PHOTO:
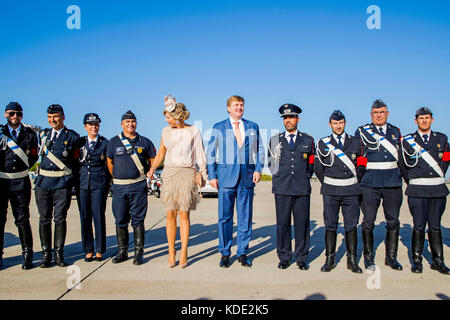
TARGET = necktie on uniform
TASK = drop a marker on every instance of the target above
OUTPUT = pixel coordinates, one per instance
(382, 132)
(425, 138)
(291, 141)
(237, 133)
(91, 145)
(14, 135)
(340, 146)
(55, 136)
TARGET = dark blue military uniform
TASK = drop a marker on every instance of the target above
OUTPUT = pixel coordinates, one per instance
(130, 201)
(53, 186)
(16, 189)
(336, 196)
(377, 184)
(94, 187)
(292, 168)
(338, 168)
(382, 180)
(426, 191)
(131, 161)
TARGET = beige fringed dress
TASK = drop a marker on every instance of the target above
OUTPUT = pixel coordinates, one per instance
(185, 152)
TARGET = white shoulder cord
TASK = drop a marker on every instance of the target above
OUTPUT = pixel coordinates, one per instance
(277, 150)
(411, 155)
(319, 153)
(366, 141)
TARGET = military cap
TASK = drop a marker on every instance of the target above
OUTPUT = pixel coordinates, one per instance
(423, 111)
(378, 104)
(337, 115)
(14, 106)
(289, 110)
(55, 108)
(128, 115)
(91, 118)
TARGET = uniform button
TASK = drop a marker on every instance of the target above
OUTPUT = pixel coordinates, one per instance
(292, 166)
(292, 159)
(292, 172)
(292, 152)
(385, 157)
(14, 168)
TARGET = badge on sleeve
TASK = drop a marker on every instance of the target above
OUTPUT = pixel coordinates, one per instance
(139, 150)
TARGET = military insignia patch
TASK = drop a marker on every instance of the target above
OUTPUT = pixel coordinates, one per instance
(305, 156)
(66, 143)
(441, 155)
(102, 157)
(139, 150)
(394, 137)
(438, 145)
(353, 156)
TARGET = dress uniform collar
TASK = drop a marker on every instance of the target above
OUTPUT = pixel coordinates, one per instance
(18, 129)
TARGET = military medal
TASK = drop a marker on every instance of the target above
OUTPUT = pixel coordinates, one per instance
(27, 152)
(102, 157)
(353, 156)
(441, 155)
(438, 145)
(65, 153)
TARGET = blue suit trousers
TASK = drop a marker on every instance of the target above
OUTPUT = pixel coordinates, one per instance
(244, 209)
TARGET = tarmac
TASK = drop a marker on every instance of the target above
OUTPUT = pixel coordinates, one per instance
(203, 278)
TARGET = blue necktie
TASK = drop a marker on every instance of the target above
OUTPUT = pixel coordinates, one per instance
(340, 142)
(55, 136)
(382, 132)
(91, 145)
(425, 138)
(14, 135)
(291, 142)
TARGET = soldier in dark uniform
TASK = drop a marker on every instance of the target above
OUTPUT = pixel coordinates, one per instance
(94, 187)
(339, 166)
(53, 185)
(382, 180)
(129, 158)
(426, 157)
(18, 152)
(290, 159)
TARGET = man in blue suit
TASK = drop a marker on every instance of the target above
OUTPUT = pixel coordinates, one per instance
(235, 161)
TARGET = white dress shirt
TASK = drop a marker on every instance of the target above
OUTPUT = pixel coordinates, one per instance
(17, 130)
(343, 135)
(241, 128)
(288, 138)
(384, 128)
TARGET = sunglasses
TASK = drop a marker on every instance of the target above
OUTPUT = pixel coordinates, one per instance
(13, 113)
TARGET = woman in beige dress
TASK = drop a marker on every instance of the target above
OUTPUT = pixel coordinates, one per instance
(182, 151)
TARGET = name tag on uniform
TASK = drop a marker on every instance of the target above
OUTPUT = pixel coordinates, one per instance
(120, 150)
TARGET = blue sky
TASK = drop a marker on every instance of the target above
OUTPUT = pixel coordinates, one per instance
(317, 54)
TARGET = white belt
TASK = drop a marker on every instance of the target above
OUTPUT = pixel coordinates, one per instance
(128, 181)
(381, 165)
(54, 174)
(13, 175)
(427, 181)
(340, 182)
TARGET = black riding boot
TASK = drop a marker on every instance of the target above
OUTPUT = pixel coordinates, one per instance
(351, 242)
(367, 239)
(330, 251)
(418, 239)
(45, 233)
(26, 240)
(139, 239)
(391, 243)
(437, 252)
(60, 238)
(122, 243)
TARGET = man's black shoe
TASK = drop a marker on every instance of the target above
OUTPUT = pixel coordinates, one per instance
(284, 264)
(243, 260)
(224, 261)
(302, 265)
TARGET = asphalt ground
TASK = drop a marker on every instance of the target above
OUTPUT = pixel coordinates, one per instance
(203, 278)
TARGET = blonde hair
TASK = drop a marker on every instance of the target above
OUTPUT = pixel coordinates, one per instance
(179, 113)
(234, 99)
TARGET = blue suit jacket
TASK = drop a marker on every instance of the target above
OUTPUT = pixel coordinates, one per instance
(226, 161)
